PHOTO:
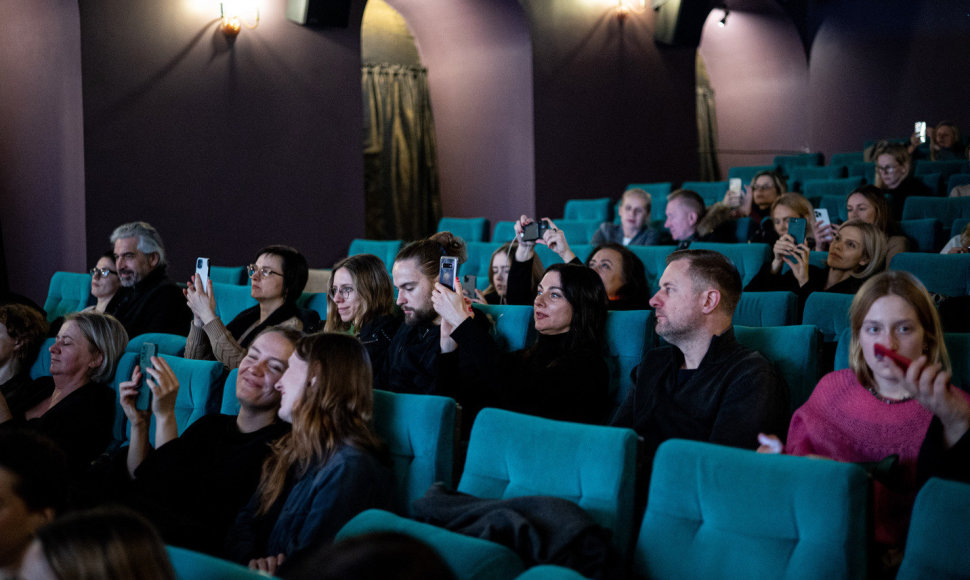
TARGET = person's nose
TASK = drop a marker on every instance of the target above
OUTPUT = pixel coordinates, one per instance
(655, 301)
(401, 300)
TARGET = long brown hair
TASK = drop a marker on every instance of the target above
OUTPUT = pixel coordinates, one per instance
(336, 409)
(373, 286)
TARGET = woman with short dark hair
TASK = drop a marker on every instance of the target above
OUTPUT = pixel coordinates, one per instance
(562, 376)
(278, 277)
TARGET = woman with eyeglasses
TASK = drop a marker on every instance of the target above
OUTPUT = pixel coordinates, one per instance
(277, 280)
(893, 168)
(104, 282)
(868, 203)
(361, 302)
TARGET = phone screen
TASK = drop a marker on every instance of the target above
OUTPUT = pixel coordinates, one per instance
(148, 350)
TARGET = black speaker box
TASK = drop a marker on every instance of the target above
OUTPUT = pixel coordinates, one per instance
(319, 13)
(680, 22)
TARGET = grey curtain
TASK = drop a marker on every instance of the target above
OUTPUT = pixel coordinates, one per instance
(402, 197)
(706, 124)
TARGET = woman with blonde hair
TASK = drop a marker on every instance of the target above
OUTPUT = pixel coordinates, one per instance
(361, 302)
(331, 465)
(894, 167)
(868, 203)
(880, 407)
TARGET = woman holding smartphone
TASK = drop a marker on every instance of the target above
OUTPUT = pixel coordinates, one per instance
(880, 407)
(278, 277)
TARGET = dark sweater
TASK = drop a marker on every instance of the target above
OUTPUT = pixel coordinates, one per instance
(156, 304)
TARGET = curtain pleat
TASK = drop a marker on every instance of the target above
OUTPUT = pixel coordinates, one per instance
(710, 169)
(402, 194)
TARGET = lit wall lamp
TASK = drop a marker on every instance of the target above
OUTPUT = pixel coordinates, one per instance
(231, 13)
(625, 7)
(723, 21)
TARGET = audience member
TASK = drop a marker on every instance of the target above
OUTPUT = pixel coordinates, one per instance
(76, 407)
(783, 209)
(372, 556)
(103, 543)
(410, 365)
(688, 221)
(623, 276)
(148, 300)
(958, 244)
(104, 282)
(704, 385)
(22, 332)
(963, 190)
(755, 201)
(498, 276)
(868, 203)
(634, 227)
(877, 408)
(192, 486)
(893, 175)
(277, 281)
(361, 301)
(33, 489)
(562, 376)
(856, 254)
(943, 143)
(328, 468)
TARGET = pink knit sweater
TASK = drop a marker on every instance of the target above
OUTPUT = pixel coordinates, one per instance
(842, 420)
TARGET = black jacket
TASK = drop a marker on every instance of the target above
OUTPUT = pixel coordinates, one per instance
(156, 304)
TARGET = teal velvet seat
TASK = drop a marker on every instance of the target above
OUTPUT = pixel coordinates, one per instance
(598, 210)
(747, 172)
(747, 258)
(68, 292)
(766, 309)
(829, 312)
(793, 349)
(945, 209)
(926, 232)
(173, 344)
(386, 250)
(936, 546)
(419, 431)
(316, 301)
(710, 191)
(798, 175)
(469, 558)
(626, 334)
(230, 404)
(946, 274)
(229, 275)
(514, 455)
(578, 231)
(718, 512)
(658, 197)
(190, 565)
(513, 326)
(547, 572)
(468, 229)
(231, 299)
(654, 260)
(816, 188)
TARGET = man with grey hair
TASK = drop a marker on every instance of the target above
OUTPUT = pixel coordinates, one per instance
(148, 300)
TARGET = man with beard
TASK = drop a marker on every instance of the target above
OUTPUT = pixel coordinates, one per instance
(411, 363)
(704, 385)
(148, 300)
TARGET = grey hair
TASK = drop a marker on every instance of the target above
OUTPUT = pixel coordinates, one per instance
(105, 335)
(149, 240)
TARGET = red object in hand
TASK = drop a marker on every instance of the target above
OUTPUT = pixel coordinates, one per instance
(899, 359)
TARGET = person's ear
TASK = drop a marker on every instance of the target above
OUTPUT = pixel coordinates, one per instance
(154, 259)
(97, 360)
(710, 300)
(692, 218)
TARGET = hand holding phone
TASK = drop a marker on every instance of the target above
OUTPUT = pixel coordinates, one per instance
(469, 283)
(533, 231)
(202, 275)
(822, 217)
(144, 400)
(796, 229)
(884, 351)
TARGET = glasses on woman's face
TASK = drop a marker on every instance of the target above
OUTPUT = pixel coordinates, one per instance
(263, 272)
(762, 187)
(344, 292)
(102, 272)
(887, 169)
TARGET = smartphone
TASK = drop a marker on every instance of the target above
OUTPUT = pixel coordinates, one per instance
(796, 228)
(920, 128)
(899, 359)
(734, 184)
(447, 271)
(144, 400)
(468, 284)
(822, 217)
(202, 272)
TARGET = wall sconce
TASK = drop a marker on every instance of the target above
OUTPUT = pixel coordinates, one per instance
(625, 7)
(230, 12)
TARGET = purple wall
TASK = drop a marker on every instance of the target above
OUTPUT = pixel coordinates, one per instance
(759, 72)
(611, 107)
(479, 61)
(223, 146)
(41, 144)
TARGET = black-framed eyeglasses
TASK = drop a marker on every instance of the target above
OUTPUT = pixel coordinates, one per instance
(264, 272)
(102, 272)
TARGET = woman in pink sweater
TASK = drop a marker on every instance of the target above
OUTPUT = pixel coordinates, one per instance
(878, 407)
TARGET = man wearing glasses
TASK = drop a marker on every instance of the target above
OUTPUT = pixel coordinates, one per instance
(148, 300)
